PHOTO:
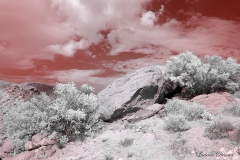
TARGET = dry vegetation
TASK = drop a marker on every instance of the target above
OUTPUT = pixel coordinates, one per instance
(186, 131)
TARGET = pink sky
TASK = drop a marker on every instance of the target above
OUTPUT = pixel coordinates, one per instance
(96, 42)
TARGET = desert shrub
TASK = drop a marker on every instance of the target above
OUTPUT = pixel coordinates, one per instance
(194, 111)
(179, 148)
(86, 89)
(236, 134)
(63, 141)
(233, 108)
(207, 116)
(237, 94)
(218, 129)
(175, 106)
(126, 142)
(176, 123)
(191, 111)
(73, 113)
(198, 77)
(130, 154)
(107, 157)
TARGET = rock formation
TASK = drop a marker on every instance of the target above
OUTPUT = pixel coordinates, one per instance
(132, 92)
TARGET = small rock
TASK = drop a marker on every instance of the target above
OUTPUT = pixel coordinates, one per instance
(155, 107)
(50, 152)
(2, 154)
(22, 156)
(7, 146)
(46, 141)
(162, 113)
(148, 137)
(37, 137)
(30, 145)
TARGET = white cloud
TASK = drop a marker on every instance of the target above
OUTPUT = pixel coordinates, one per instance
(134, 64)
(90, 17)
(73, 75)
(82, 77)
(134, 29)
(69, 48)
(148, 18)
(1, 48)
(161, 10)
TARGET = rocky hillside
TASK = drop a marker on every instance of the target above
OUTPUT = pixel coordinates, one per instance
(135, 119)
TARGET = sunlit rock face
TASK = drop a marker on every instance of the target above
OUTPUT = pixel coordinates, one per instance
(138, 89)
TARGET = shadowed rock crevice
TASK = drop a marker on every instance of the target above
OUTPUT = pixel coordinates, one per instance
(176, 91)
(169, 90)
(135, 95)
(120, 113)
(148, 92)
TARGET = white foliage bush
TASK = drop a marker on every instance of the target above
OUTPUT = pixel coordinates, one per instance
(191, 111)
(176, 123)
(73, 113)
(197, 76)
(207, 116)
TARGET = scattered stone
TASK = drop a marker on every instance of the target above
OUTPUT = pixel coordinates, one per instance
(21, 156)
(7, 146)
(47, 141)
(145, 113)
(162, 113)
(148, 137)
(38, 137)
(30, 145)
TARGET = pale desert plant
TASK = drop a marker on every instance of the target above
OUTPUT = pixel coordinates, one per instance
(233, 108)
(218, 129)
(207, 116)
(191, 111)
(71, 114)
(197, 77)
(176, 123)
(107, 157)
(237, 94)
(237, 134)
(126, 142)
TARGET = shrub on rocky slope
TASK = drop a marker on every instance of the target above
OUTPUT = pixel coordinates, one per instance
(73, 114)
(206, 76)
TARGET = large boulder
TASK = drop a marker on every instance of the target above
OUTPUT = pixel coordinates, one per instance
(136, 90)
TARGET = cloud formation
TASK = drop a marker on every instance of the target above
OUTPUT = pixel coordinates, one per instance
(148, 18)
(134, 29)
(89, 18)
(76, 36)
(73, 75)
(27, 27)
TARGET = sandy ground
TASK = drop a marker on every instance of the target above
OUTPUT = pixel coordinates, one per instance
(151, 142)
(147, 140)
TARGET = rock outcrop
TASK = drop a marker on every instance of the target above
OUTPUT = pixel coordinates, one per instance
(40, 147)
(214, 102)
(145, 113)
(132, 92)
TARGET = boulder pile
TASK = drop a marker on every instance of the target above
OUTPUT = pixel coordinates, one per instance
(40, 147)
